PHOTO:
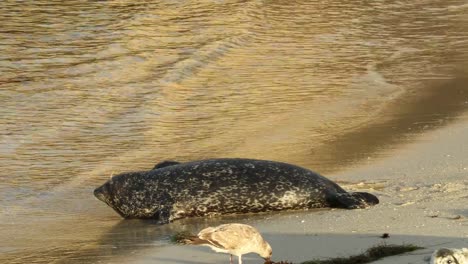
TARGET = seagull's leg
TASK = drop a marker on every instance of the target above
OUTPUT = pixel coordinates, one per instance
(240, 259)
(230, 258)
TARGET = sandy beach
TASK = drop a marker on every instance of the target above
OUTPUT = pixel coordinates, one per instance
(423, 191)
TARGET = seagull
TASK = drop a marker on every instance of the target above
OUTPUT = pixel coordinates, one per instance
(234, 239)
(450, 256)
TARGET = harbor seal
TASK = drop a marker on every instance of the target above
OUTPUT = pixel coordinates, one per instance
(173, 190)
(450, 255)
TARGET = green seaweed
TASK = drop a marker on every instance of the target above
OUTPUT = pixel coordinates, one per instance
(372, 254)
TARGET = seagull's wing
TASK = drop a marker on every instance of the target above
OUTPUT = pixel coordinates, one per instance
(230, 236)
(206, 237)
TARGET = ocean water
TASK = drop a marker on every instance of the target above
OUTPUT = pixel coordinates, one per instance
(93, 88)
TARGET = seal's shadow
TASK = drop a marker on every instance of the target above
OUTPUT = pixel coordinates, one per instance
(125, 237)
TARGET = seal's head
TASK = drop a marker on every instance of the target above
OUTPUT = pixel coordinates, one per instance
(103, 193)
(125, 194)
(107, 192)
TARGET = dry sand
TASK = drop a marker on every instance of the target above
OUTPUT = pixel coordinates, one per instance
(423, 189)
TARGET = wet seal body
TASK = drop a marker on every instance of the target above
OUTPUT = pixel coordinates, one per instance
(173, 190)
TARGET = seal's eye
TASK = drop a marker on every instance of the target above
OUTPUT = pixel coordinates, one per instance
(449, 261)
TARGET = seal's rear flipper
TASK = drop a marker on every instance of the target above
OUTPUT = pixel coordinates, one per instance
(165, 163)
(352, 200)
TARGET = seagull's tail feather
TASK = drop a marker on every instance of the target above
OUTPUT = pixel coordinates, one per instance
(186, 238)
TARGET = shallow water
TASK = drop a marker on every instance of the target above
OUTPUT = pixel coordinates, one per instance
(89, 89)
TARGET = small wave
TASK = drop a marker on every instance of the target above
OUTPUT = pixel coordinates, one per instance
(204, 56)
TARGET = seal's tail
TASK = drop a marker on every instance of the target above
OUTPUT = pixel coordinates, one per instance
(352, 200)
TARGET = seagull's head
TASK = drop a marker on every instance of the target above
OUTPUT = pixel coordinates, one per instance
(266, 252)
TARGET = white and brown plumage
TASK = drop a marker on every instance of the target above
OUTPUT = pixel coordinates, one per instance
(450, 256)
(234, 239)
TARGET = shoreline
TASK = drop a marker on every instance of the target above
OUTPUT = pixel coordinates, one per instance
(402, 121)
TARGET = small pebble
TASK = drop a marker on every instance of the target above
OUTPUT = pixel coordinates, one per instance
(385, 235)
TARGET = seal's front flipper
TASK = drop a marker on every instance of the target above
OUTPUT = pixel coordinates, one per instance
(165, 163)
(163, 215)
(351, 200)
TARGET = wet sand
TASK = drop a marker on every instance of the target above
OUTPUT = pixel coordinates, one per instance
(401, 122)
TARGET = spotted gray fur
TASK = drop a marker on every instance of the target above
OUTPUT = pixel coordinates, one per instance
(175, 190)
(450, 256)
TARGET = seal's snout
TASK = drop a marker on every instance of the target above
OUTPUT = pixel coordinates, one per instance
(101, 193)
